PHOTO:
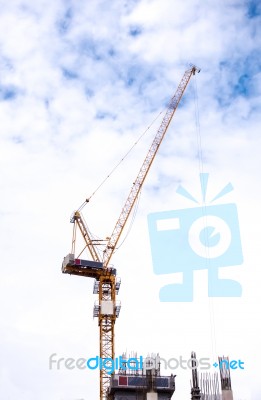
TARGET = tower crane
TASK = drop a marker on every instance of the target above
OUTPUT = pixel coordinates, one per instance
(106, 284)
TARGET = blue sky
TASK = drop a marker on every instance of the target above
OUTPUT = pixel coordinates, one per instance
(79, 82)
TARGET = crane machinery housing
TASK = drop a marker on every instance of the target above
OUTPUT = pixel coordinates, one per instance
(106, 283)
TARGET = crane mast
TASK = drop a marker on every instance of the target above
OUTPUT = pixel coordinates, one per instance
(106, 284)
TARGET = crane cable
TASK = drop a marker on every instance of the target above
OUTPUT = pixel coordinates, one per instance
(204, 214)
(118, 164)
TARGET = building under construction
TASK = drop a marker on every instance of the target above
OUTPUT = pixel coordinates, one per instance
(147, 383)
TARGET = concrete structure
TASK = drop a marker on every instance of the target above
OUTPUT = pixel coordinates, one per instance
(141, 382)
(225, 379)
(195, 390)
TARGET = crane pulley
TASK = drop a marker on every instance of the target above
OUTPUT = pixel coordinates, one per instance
(106, 283)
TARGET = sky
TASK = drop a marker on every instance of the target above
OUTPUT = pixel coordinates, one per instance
(79, 83)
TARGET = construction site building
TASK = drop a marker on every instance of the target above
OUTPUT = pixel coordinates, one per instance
(145, 383)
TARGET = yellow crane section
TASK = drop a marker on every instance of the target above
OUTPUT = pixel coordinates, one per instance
(106, 284)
